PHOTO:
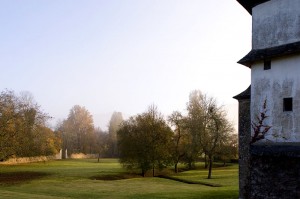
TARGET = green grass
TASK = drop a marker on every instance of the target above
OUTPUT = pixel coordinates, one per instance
(76, 179)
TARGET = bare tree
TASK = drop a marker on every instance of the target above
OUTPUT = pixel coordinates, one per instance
(180, 137)
(208, 124)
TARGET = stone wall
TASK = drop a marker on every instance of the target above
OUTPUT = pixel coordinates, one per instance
(244, 142)
(275, 171)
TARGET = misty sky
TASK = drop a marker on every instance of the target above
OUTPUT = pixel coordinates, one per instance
(123, 55)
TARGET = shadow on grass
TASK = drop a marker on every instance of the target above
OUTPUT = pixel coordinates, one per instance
(130, 176)
(13, 178)
(190, 181)
(115, 177)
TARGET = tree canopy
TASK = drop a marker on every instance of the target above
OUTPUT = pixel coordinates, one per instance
(78, 131)
(144, 141)
(23, 130)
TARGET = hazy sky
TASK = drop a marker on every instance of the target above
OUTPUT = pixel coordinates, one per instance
(123, 55)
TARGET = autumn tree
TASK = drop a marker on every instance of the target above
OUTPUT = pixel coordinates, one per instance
(46, 141)
(144, 141)
(78, 131)
(113, 127)
(23, 130)
(9, 121)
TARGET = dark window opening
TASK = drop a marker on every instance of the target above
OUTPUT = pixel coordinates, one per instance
(288, 104)
(267, 64)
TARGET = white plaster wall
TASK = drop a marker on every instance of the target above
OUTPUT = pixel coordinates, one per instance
(281, 81)
(275, 22)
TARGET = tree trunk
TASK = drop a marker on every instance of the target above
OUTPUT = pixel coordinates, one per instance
(176, 168)
(210, 159)
(205, 161)
(190, 165)
(153, 171)
(98, 157)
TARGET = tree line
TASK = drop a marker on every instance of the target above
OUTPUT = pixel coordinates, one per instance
(24, 130)
(79, 135)
(147, 141)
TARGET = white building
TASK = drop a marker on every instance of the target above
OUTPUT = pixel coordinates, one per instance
(269, 162)
(275, 66)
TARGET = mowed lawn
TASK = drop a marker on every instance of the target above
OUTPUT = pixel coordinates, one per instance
(107, 179)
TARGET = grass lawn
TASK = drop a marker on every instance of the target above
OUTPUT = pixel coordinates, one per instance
(81, 179)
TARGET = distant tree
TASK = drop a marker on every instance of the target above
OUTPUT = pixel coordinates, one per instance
(113, 127)
(144, 142)
(102, 143)
(78, 131)
(194, 124)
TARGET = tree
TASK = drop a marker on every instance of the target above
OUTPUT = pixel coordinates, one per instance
(144, 142)
(208, 123)
(180, 137)
(228, 149)
(47, 143)
(102, 143)
(23, 131)
(114, 125)
(9, 120)
(78, 131)
(218, 129)
(194, 123)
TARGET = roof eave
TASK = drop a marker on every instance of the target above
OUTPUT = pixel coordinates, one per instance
(268, 53)
(249, 4)
(246, 94)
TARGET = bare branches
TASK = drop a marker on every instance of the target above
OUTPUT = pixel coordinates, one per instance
(260, 129)
(207, 124)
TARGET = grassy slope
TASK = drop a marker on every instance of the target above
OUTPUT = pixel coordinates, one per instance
(73, 179)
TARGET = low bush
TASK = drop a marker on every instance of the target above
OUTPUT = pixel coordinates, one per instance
(22, 160)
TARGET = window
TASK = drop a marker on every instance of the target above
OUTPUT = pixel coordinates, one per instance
(288, 104)
(267, 64)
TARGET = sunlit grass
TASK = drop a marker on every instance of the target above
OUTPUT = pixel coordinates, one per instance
(74, 179)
